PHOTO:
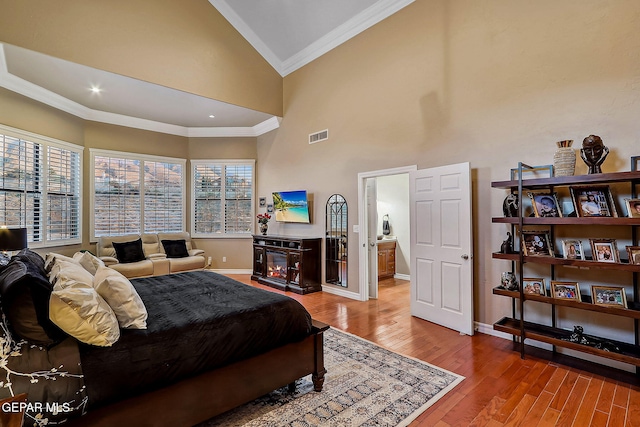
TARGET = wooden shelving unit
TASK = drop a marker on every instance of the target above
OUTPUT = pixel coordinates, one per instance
(516, 325)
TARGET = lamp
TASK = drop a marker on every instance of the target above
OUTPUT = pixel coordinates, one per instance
(11, 239)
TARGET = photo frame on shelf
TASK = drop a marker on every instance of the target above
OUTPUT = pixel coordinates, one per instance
(572, 249)
(604, 250)
(593, 201)
(635, 163)
(634, 254)
(534, 286)
(544, 171)
(536, 243)
(565, 290)
(633, 208)
(545, 205)
(609, 296)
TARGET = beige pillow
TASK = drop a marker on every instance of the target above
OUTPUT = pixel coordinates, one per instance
(88, 261)
(50, 259)
(72, 269)
(77, 309)
(122, 297)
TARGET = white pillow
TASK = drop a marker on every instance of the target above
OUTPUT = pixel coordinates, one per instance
(50, 259)
(77, 309)
(88, 261)
(122, 297)
(72, 269)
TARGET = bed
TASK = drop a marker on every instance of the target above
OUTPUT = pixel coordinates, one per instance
(211, 344)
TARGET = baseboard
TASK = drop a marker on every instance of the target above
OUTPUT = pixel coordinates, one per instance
(402, 276)
(341, 292)
(231, 271)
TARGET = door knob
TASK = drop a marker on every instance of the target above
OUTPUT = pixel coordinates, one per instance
(464, 256)
(372, 244)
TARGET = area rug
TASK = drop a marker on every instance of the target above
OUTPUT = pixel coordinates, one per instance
(365, 385)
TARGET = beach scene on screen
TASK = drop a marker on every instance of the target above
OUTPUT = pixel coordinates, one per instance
(291, 206)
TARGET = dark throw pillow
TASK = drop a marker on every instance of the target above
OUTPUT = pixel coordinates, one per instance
(129, 251)
(175, 248)
(25, 301)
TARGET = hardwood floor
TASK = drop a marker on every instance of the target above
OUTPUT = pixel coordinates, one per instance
(500, 388)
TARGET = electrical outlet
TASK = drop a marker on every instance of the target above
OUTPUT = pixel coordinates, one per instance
(209, 260)
(224, 259)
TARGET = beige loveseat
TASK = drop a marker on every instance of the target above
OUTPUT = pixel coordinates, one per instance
(156, 262)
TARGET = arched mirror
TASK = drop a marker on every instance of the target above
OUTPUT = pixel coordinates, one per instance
(336, 240)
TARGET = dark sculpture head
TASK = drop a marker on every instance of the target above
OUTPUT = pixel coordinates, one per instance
(593, 153)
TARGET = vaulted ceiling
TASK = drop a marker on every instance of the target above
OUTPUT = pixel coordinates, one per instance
(288, 34)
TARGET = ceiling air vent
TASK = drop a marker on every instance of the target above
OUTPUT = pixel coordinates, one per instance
(319, 136)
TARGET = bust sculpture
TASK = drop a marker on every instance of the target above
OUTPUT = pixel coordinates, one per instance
(593, 153)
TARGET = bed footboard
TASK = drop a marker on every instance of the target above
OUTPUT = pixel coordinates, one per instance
(197, 399)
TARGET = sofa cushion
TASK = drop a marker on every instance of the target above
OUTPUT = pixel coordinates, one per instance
(135, 269)
(175, 248)
(186, 264)
(80, 311)
(25, 293)
(127, 252)
(122, 297)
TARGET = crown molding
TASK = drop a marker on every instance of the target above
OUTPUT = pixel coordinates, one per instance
(37, 93)
(368, 18)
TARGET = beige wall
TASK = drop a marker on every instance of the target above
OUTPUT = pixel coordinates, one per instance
(187, 45)
(491, 82)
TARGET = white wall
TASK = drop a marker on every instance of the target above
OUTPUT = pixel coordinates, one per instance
(393, 200)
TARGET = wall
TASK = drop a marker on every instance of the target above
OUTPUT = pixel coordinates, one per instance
(393, 200)
(186, 45)
(492, 82)
(22, 113)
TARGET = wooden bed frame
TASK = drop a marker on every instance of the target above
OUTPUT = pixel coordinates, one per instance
(197, 399)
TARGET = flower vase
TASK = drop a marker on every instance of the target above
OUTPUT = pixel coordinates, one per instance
(564, 159)
(264, 228)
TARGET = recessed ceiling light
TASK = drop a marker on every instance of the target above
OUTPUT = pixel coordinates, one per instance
(95, 89)
(211, 116)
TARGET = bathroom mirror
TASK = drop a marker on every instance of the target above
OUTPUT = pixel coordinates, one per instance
(336, 240)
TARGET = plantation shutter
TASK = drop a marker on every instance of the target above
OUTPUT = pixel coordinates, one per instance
(238, 198)
(163, 199)
(63, 194)
(208, 196)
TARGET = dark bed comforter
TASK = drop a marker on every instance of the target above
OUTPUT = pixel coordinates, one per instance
(197, 321)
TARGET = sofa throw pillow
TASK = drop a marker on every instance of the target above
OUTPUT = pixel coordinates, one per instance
(175, 248)
(78, 310)
(88, 261)
(129, 251)
(25, 293)
(122, 297)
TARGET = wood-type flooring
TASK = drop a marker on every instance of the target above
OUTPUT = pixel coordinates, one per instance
(500, 388)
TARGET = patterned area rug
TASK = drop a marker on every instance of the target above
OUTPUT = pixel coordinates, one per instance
(365, 385)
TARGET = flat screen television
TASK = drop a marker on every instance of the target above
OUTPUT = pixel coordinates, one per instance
(291, 206)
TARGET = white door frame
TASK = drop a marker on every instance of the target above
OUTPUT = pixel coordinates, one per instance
(363, 258)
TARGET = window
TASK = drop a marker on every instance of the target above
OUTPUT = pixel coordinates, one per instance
(40, 187)
(222, 198)
(136, 194)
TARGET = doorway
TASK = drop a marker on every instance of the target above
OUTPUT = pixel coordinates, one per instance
(372, 207)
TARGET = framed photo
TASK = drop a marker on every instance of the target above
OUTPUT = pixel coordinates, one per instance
(609, 295)
(593, 201)
(572, 249)
(634, 254)
(534, 286)
(635, 163)
(604, 250)
(565, 290)
(270, 208)
(536, 243)
(545, 205)
(633, 208)
(262, 202)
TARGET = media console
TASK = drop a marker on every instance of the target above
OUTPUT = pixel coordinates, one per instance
(287, 263)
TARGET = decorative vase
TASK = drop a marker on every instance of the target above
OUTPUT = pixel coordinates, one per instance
(564, 159)
(263, 228)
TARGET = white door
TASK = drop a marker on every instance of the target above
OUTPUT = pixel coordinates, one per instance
(372, 236)
(441, 259)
